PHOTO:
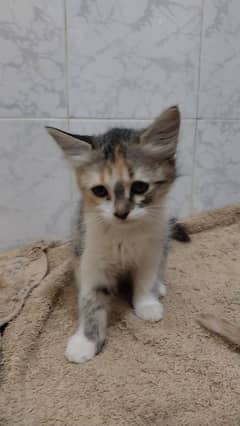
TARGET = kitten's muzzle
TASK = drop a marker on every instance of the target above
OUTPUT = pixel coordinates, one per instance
(122, 209)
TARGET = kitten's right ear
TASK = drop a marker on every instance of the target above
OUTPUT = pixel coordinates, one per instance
(161, 137)
(76, 148)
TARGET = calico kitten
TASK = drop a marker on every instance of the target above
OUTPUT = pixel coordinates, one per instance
(124, 176)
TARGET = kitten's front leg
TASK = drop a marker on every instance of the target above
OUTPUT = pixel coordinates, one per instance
(145, 300)
(93, 303)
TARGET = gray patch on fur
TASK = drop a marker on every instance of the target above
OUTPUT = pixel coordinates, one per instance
(147, 200)
(108, 142)
(119, 191)
(99, 346)
(90, 308)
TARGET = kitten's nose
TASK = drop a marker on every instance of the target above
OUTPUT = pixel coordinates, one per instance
(121, 215)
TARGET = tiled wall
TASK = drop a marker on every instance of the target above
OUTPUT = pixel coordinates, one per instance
(85, 65)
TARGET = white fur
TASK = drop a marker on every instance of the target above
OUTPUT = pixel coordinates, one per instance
(106, 210)
(122, 244)
(136, 213)
(79, 348)
(149, 308)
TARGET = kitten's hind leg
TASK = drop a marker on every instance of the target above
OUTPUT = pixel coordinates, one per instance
(93, 302)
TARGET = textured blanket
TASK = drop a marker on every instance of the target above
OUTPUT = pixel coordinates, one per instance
(169, 373)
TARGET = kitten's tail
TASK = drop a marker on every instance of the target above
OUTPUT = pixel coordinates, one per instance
(179, 231)
(222, 327)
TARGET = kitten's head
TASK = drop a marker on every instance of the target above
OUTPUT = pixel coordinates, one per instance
(124, 174)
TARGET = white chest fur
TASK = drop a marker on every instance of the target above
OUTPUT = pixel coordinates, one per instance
(124, 246)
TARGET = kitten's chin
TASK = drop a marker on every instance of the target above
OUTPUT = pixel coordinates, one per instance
(130, 221)
(116, 222)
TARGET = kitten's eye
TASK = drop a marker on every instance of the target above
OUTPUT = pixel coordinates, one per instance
(100, 191)
(139, 187)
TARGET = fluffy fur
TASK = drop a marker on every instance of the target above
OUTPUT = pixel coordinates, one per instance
(124, 176)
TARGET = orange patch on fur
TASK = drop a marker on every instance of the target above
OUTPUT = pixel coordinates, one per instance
(89, 199)
(113, 171)
(106, 174)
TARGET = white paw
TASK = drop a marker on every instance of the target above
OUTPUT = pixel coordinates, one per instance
(162, 289)
(80, 349)
(149, 310)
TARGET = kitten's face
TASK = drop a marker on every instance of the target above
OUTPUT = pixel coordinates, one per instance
(126, 187)
(124, 174)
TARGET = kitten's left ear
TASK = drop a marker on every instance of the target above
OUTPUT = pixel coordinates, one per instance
(76, 147)
(160, 139)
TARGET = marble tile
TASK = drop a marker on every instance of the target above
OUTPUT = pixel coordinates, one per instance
(217, 160)
(22, 225)
(35, 183)
(32, 59)
(131, 59)
(179, 200)
(220, 60)
(180, 197)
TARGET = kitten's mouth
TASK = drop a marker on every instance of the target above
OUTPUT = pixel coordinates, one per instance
(130, 221)
(121, 221)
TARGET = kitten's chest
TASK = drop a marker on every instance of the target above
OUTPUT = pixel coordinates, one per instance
(123, 249)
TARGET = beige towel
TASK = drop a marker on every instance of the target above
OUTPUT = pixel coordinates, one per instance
(169, 373)
(20, 271)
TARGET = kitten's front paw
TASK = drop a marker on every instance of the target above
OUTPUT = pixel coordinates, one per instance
(80, 349)
(149, 311)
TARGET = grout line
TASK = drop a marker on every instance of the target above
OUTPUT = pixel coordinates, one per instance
(200, 61)
(120, 118)
(33, 119)
(110, 119)
(66, 57)
(193, 167)
(150, 118)
(216, 119)
(87, 118)
(72, 176)
(197, 111)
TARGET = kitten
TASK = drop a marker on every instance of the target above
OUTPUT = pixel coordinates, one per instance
(124, 176)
